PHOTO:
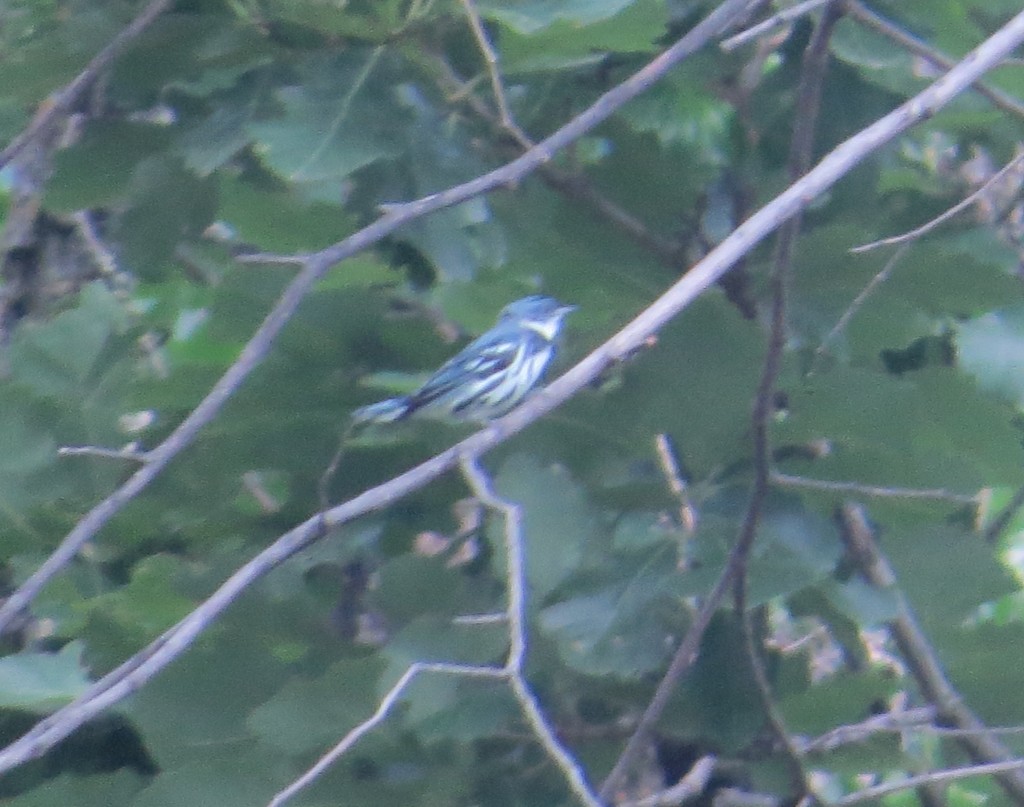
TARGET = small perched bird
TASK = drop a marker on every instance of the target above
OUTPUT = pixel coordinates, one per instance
(490, 375)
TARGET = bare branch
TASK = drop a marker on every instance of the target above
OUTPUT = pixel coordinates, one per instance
(947, 775)
(676, 483)
(860, 299)
(865, 15)
(859, 489)
(812, 76)
(1002, 521)
(574, 185)
(859, 732)
(133, 673)
(776, 20)
(511, 671)
(922, 659)
(516, 582)
(926, 228)
(494, 72)
(686, 789)
(62, 101)
(387, 703)
(317, 264)
(129, 452)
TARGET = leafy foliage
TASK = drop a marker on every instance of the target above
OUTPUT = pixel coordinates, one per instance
(284, 126)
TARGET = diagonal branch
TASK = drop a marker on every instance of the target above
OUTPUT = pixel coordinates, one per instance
(860, 12)
(924, 664)
(512, 671)
(317, 264)
(133, 673)
(61, 102)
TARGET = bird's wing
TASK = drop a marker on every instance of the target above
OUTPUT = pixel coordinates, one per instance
(470, 372)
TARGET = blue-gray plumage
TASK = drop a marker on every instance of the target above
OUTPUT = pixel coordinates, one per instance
(490, 375)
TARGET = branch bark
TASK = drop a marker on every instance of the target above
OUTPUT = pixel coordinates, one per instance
(134, 672)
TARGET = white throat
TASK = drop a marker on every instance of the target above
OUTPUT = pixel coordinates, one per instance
(546, 329)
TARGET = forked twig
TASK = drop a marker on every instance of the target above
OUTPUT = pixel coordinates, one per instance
(511, 671)
(781, 18)
(127, 678)
(317, 264)
(946, 215)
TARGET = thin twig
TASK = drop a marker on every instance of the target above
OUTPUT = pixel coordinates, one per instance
(946, 775)
(686, 789)
(129, 452)
(914, 234)
(323, 487)
(573, 185)
(781, 18)
(860, 299)
(922, 659)
(859, 489)
(62, 101)
(512, 670)
(319, 263)
(516, 582)
(387, 703)
(494, 73)
(920, 720)
(102, 256)
(812, 76)
(676, 483)
(133, 673)
(915, 719)
(1002, 521)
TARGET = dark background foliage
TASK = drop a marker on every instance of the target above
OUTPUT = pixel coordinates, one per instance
(229, 127)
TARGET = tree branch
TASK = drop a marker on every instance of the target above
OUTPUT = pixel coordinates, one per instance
(317, 264)
(148, 662)
(922, 660)
(808, 106)
(866, 16)
(62, 101)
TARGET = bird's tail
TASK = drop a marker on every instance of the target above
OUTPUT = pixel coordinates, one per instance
(387, 411)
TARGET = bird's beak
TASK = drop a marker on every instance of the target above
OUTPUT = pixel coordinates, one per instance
(566, 309)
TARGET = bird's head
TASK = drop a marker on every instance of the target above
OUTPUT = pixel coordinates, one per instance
(537, 313)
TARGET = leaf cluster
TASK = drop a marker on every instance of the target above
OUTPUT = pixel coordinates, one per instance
(230, 127)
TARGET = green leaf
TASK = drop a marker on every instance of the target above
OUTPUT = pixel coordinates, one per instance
(680, 111)
(97, 170)
(200, 704)
(620, 629)
(281, 222)
(482, 710)
(433, 639)
(719, 698)
(199, 53)
(795, 547)
(166, 205)
(558, 522)
(529, 16)
(226, 777)
(879, 59)
(59, 358)
(410, 585)
(991, 349)
(43, 682)
(150, 602)
(924, 430)
(564, 37)
(74, 790)
(312, 713)
(339, 120)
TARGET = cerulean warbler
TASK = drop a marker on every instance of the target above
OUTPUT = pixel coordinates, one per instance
(490, 375)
